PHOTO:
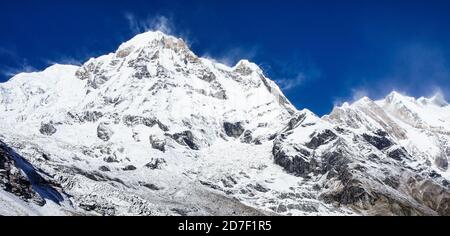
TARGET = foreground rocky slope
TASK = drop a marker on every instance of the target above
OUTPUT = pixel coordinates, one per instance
(153, 129)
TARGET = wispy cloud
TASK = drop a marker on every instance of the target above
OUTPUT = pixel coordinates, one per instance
(6, 52)
(16, 63)
(424, 66)
(162, 23)
(10, 71)
(294, 74)
(291, 83)
(232, 55)
(358, 94)
(156, 23)
(355, 95)
(414, 69)
(65, 60)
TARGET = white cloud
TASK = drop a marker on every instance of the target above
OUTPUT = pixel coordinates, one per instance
(9, 71)
(8, 53)
(288, 84)
(18, 64)
(359, 93)
(355, 95)
(161, 23)
(233, 55)
(157, 23)
(65, 61)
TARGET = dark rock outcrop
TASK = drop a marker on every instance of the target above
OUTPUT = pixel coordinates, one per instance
(234, 130)
(20, 178)
(86, 116)
(141, 72)
(207, 76)
(302, 163)
(380, 142)
(297, 164)
(321, 139)
(104, 132)
(104, 169)
(156, 163)
(47, 129)
(151, 186)
(186, 138)
(157, 143)
(129, 168)
(132, 121)
(441, 162)
(398, 154)
(247, 137)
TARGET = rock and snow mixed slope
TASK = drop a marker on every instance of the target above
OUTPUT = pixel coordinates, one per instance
(377, 157)
(153, 129)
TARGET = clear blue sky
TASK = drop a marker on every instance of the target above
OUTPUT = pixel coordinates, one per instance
(321, 52)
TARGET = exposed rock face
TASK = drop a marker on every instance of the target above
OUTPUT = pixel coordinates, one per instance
(398, 154)
(47, 129)
(11, 179)
(234, 130)
(247, 137)
(104, 169)
(157, 143)
(129, 168)
(442, 162)
(104, 132)
(297, 164)
(18, 177)
(379, 182)
(156, 163)
(186, 138)
(380, 142)
(86, 116)
(132, 121)
(321, 139)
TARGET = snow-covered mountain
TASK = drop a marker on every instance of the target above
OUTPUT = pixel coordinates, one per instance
(153, 129)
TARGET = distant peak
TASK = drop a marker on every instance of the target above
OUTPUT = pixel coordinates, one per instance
(57, 67)
(395, 97)
(53, 69)
(438, 99)
(345, 105)
(363, 101)
(247, 63)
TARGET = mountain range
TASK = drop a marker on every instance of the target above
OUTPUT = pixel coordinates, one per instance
(154, 129)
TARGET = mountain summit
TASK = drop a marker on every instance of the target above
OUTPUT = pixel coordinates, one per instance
(153, 129)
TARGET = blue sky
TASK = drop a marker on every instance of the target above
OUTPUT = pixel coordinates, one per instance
(320, 52)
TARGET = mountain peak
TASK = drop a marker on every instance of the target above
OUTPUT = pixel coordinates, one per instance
(246, 67)
(362, 101)
(438, 99)
(396, 97)
(153, 38)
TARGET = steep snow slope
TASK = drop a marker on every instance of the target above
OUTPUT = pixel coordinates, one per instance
(153, 129)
